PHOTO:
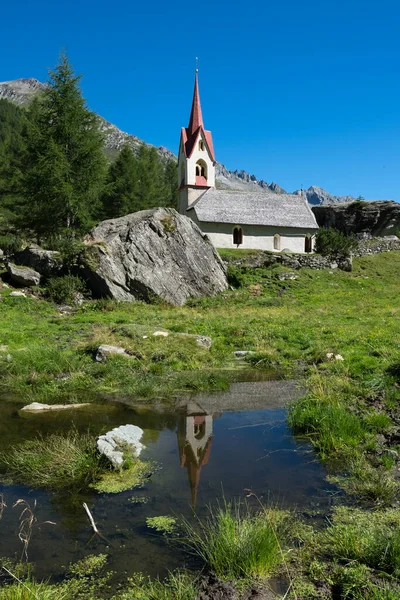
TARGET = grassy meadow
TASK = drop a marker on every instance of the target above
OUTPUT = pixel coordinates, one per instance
(338, 333)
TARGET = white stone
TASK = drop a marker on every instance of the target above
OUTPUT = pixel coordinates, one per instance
(3, 348)
(161, 333)
(38, 407)
(338, 357)
(17, 295)
(114, 443)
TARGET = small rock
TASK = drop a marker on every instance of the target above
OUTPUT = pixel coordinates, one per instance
(287, 276)
(161, 333)
(23, 275)
(104, 351)
(243, 353)
(201, 340)
(3, 348)
(333, 356)
(114, 443)
(65, 309)
(9, 357)
(17, 295)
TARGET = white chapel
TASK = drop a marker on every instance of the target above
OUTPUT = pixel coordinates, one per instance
(254, 220)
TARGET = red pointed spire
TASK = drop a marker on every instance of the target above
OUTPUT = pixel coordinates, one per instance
(190, 134)
(196, 117)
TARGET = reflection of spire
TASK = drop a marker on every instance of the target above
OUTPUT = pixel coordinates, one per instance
(194, 442)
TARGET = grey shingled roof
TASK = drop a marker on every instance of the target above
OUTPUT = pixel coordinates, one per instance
(254, 208)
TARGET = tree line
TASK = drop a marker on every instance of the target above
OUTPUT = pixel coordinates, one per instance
(55, 179)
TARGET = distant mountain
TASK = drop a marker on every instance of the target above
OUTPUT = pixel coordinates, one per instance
(21, 91)
(316, 196)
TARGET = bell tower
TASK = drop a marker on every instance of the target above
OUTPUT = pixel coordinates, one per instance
(196, 160)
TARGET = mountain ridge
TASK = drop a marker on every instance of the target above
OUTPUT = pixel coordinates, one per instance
(21, 91)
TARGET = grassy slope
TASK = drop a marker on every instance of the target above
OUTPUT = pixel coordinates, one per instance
(291, 325)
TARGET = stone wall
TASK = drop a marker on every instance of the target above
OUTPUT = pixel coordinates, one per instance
(377, 245)
(291, 261)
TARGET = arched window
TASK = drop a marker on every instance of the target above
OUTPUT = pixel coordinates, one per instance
(201, 172)
(277, 241)
(308, 243)
(201, 145)
(237, 236)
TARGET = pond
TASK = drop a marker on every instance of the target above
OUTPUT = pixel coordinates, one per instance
(208, 447)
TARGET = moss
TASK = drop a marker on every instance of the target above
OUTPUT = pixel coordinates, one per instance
(168, 224)
(114, 482)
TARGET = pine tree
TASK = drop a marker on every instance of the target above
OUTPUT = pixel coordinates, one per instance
(65, 162)
(170, 184)
(121, 186)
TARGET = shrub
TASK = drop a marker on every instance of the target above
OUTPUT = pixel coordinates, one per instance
(65, 289)
(334, 243)
(10, 244)
(235, 544)
(70, 249)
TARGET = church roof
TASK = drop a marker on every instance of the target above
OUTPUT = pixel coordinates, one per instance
(254, 208)
(191, 133)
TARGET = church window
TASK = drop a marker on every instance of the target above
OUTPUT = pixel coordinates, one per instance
(201, 145)
(201, 169)
(237, 236)
(277, 241)
(308, 243)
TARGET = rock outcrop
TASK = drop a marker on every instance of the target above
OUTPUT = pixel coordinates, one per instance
(45, 262)
(377, 219)
(152, 253)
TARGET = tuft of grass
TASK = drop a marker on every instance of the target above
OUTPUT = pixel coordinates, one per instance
(236, 544)
(372, 539)
(32, 590)
(54, 462)
(330, 425)
(177, 586)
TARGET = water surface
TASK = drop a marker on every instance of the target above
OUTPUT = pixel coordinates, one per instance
(207, 446)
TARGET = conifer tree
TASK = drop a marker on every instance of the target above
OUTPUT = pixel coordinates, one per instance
(121, 185)
(170, 184)
(65, 162)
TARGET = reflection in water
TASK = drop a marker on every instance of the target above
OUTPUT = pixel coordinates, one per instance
(195, 434)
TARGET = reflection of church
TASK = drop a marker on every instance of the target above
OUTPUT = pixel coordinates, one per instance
(194, 442)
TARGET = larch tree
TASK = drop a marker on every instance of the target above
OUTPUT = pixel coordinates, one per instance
(65, 162)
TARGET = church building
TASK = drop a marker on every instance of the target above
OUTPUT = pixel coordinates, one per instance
(236, 219)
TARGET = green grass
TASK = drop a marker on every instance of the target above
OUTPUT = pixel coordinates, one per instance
(357, 555)
(290, 325)
(55, 462)
(236, 544)
(177, 586)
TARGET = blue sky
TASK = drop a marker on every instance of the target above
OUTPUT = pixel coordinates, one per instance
(294, 92)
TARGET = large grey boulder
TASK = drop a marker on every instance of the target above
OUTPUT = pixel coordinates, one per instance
(45, 262)
(23, 276)
(152, 253)
(118, 441)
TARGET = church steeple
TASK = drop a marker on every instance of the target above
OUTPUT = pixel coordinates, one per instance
(196, 117)
(196, 162)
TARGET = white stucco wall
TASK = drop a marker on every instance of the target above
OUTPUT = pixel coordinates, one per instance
(187, 171)
(255, 237)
